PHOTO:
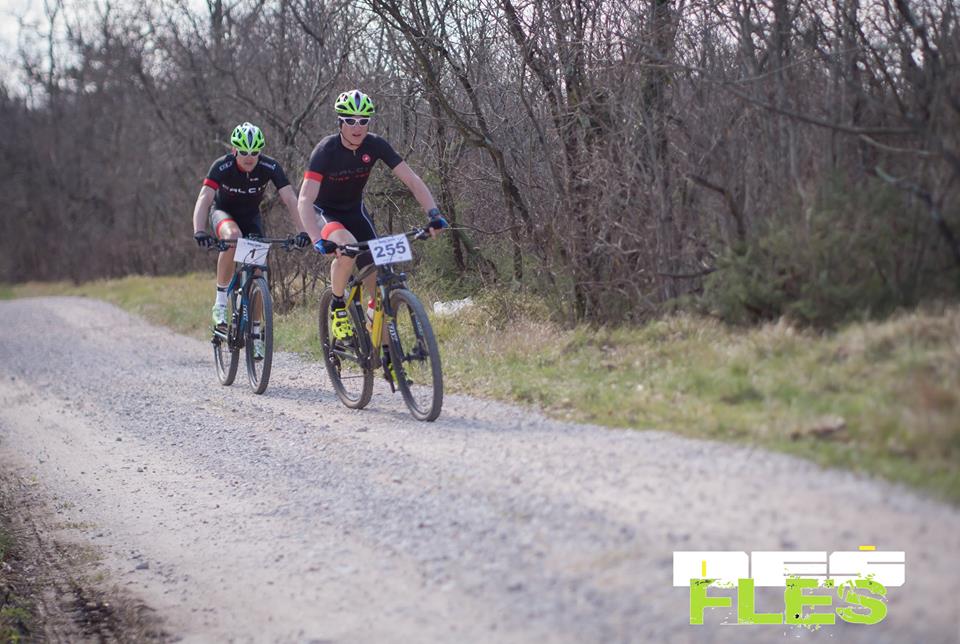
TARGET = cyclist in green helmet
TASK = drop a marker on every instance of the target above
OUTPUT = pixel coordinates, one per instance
(230, 201)
(331, 195)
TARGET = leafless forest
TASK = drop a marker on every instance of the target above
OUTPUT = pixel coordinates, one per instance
(754, 158)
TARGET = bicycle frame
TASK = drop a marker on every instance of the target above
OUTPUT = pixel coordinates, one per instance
(387, 281)
(242, 274)
(239, 280)
(407, 348)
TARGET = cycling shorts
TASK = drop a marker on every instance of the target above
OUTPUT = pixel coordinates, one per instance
(250, 224)
(357, 222)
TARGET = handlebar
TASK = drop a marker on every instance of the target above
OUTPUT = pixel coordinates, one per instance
(352, 250)
(288, 243)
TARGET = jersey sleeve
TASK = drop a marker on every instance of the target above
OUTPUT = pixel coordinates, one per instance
(279, 177)
(386, 152)
(317, 166)
(214, 175)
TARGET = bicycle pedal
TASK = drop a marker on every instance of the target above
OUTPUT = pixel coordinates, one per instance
(335, 361)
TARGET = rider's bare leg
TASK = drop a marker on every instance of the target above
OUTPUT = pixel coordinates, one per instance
(230, 231)
(342, 266)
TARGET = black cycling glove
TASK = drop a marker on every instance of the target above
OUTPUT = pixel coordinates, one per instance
(204, 239)
(302, 240)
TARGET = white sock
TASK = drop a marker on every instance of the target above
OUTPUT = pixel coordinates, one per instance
(221, 296)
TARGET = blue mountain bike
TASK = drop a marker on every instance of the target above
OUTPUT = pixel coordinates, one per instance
(249, 314)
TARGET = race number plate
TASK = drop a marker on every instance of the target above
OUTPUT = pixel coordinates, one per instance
(251, 252)
(390, 250)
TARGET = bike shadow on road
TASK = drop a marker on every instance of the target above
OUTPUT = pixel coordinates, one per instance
(392, 413)
(388, 408)
(301, 394)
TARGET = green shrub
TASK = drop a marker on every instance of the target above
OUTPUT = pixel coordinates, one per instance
(856, 253)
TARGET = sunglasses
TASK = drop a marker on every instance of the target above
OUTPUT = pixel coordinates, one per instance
(252, 154)
(349, 120)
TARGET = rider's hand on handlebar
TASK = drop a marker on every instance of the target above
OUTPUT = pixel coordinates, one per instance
(302, 240)
(437, 222)
(204, 239)
(325, 246)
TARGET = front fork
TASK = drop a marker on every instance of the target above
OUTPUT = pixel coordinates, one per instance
(376, 329)
(241, 313)
(385, 314)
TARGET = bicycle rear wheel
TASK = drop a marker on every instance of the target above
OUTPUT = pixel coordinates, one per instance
(415, 356)
(347, 361)
(225, 354)
(260, 328)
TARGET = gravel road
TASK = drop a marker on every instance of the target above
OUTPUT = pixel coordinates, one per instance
(287, 517)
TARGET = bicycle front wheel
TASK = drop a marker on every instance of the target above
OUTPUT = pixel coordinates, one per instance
(347, 361)
(415, 356)
(226, 355)
(259, 340)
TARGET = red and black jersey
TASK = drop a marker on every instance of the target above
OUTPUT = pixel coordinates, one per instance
(343, 173)
(240, 193)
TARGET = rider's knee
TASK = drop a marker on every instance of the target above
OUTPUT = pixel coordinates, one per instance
(229, 232)
(337, 233)
(224, 226)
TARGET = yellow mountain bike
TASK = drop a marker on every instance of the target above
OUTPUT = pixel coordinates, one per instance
(412, 365)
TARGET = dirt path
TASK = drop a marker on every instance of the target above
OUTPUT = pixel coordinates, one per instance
(287, 517)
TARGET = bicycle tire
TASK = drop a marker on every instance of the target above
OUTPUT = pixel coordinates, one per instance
(226, 355)
(413, 345)
(258, 370)
(347, 363)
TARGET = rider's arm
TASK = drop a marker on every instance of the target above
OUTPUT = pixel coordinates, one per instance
(202, 209)
(308, 194)
(289, 199)
(416, 185)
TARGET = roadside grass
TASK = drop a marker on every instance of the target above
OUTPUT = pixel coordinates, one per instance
(181, 303)
(15, 615)
(881, 398)
(874, 397)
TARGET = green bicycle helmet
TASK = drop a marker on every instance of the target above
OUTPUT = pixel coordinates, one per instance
(247, 137)
(354, 103)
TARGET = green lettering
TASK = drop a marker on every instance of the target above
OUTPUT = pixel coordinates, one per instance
(876, 608)
(794, 600)
(745, 606)
(699, 601)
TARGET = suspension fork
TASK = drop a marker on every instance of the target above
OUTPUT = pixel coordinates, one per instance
(379, 318)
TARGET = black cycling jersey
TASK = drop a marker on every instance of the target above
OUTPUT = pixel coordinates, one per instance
(342, 173)
(240, 193)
